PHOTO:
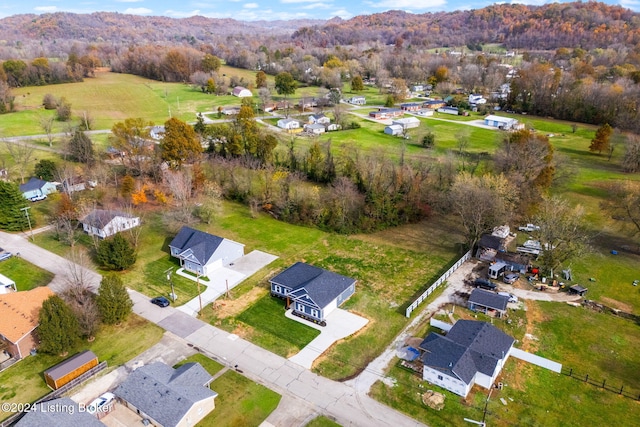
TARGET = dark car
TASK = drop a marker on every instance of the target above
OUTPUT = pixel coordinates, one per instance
(484, 284)
(160, 301)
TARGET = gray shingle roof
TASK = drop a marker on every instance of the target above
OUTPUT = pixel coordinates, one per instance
(71, 364)
(58, 412)
(469, 347)
(320, 285)
(99, 218)
(489, 299)
(491, 241)
(32, 184)
(166, 394)
(201, 244)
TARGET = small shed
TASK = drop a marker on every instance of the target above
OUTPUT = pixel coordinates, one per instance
(577, 289)
(395, 130)
(70, 369)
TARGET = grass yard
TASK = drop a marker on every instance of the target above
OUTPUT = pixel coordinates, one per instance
(24, 381)
(210, 365)
(269, 328)
(240, 402)
(598, 344)
(322, 421)
(26, 275)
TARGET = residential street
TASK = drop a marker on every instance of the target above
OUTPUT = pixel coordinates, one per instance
(323, 396)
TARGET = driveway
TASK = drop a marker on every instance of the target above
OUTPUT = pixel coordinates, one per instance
(340, 324)
(224, 279)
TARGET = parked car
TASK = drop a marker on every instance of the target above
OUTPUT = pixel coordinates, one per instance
(529, 228)
(484, 284)
(510, 278)
(5, 256)
(38, 198)
(512, 297)
(101, 403)
(160, 301)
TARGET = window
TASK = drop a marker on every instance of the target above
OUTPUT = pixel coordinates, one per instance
(440, 377)
(314, 313)
(277, 289)
(300, 307)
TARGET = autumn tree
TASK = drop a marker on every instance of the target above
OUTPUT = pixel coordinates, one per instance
(80, 147)
(180, 143)
(285, 84)
(210, 63)
(175, 66)
(58, 328)
(6, 98)
(116, 253)
(602, 139)
(127, 186)
(129, 137)
(356, 83)
(261, 79)
(562, 232)
(12, 218)
(398, 90)
(113, 301)
(246, 126)
(65, 220)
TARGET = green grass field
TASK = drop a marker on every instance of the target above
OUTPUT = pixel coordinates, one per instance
(24, 381)
(26, 275)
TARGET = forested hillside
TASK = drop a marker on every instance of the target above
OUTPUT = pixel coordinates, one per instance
(587, 25)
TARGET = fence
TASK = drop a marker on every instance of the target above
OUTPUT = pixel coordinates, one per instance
(57, 393)
(437, 283)
(632, 394)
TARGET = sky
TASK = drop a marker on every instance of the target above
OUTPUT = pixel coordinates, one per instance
(252, 10)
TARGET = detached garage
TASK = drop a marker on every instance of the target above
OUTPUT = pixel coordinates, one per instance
(393, 130)
(70, 369)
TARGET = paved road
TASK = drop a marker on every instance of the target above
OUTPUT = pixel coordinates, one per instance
(297, 384)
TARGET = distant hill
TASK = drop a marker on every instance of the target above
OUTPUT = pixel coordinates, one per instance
(116, 27)
(587, 25)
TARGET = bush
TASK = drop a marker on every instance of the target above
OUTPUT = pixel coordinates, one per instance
(49, 102)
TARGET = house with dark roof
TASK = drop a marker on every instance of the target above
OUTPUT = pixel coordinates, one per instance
(471, 353)
(312, 292)
(202, 253)
(58, 412)
(105, 223)
(19, 312)
(37, 188)
(318, 119)
(487, 302)
(489, 245)
(169, 397)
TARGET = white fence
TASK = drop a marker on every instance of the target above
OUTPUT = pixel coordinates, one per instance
(437, 283)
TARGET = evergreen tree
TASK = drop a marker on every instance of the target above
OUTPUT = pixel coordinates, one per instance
(80, 148)
(356, 84)
(116, 253)
(12, 218)
(45, 169)
(59, 330)
(113, 300)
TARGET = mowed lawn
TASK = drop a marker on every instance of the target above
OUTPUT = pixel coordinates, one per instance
(26, 275)
(240, 401)
(600, 345)
(24, 381)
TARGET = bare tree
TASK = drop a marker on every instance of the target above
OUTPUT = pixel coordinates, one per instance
(46, 123)
(21, 153)
(631, 159)
(265, 96)
(83, 304)
(623, 203)
(79, 273)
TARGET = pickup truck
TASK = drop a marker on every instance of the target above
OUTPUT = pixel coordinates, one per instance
(529, 228)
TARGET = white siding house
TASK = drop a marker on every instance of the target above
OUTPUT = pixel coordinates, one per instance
(288, 124)
(103, 223)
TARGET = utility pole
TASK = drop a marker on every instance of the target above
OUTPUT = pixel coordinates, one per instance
(169, 272)
(26, 213)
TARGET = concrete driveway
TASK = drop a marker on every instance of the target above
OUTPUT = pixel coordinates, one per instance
(340, 324)
(225, 278)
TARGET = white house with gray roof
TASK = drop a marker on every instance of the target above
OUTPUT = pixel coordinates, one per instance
(169, 397)
(312, 292)
(105, 223)
(202, 253)
(37, 188)
(471, 353)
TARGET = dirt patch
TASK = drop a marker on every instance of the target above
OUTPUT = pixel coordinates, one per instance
(529, 343)
(617, 304)
(433, 400)
(229, 308)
